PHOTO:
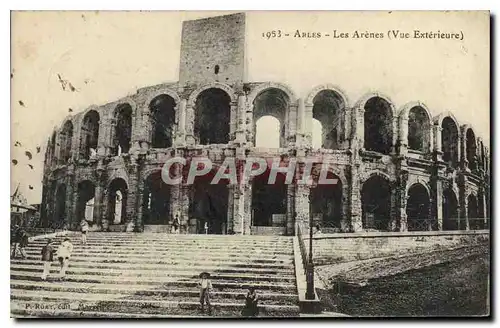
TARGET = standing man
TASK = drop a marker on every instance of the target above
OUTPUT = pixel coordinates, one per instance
(85, 229)
(47, 258)
(205, 288)
(176, 224)
(63, 254)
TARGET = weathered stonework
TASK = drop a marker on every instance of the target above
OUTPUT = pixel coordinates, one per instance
(405, 172)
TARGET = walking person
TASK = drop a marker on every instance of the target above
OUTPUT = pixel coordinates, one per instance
(63, 254)
(205, 288)
(176, 224)
(251, 303)
(23, 242)
(84, 225)
(14, 240)
(47, 258)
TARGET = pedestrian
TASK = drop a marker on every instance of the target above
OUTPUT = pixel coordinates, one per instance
(63, 254)
(14, 239)
(84, 225)
(251, 303)
(47, 258)
(206, 228)
(23, 242)
(318, 230)
(205, 289)
(176, 223)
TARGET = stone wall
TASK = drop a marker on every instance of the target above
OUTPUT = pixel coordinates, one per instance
(338, 248)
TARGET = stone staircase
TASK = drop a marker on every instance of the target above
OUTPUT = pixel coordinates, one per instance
(153, 275)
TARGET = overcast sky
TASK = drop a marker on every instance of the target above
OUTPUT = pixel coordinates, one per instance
(107, 55)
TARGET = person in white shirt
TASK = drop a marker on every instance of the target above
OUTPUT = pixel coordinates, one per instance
(63, 254)
(205, 288)
(85, 229)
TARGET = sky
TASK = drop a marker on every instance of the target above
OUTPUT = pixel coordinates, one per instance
(107, 55)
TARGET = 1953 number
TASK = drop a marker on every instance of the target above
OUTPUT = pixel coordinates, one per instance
(272, 34)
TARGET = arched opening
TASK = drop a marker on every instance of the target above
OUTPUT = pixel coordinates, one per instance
(325, 203)
(327, 109)
(85, 203)
(449, 139)
(418, 210)
(378, 125)
(267, 132)
(451, 220)
(419, 129)
(90, 135)
(156, 200)
(66, 138)
(117, 201)
(471, 148)
(475, 223)
(317, 134)
(376, 204)
(60, 206)
(162, 109)
(269, 201)
(212, 117)
(208, 204)
(123, 130)
(272, 102)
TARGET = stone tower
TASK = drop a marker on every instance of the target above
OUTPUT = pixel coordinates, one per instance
(213, 50)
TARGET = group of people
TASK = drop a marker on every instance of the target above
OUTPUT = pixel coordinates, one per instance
(63, 254)
(19, 240)
(251, 308)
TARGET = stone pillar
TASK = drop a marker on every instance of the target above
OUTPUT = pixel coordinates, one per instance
(463, 149)
(70, 220)
(247, 209)
(131, 206)
(241, 126)
(395, 135)
(190, 137)
(109, 139)
(402, 200)
(358, 124)
(184, 192)
(464, 206)
(98, 202)
(102, 143)
(291, 126)
(355, 199)
(403, 135)
(438, 144)
(239, 223)
(301, 204)
(437, 203)
(307, 126)
(301, 123)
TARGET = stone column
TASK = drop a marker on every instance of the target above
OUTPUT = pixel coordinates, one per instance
(241, 126)
(238, 223)
(395, 136)
(190, 137)
(302, 210)
(71, 221)
(132, 195)
(102, 143)
(463, 149)
(402, 200)
(181, 125)
(403, 135)
(464, 206)
(438, 145)
(355, 199)
(437, 203)
(301, 123)
(291, 126)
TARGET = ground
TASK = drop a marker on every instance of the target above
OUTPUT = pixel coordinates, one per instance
(438, 283)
